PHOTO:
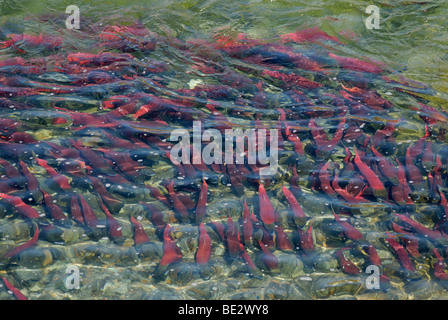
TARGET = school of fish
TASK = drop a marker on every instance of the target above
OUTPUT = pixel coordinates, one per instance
(86, 174)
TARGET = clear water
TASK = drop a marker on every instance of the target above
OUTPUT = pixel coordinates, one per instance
(411, 42)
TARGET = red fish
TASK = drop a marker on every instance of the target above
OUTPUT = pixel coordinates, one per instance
(32, 184)
(129, 39)
(124, 162)
(299, 60)
(140, 236)
(20, 207)
(418, 227)
(232, 239)
(106, 197)
(179, 167)
(113, 226)
(202, 203)
(346, 265)
(282, 240)
(5, 187)
(219, 229)
(171, 252)
(235, 179)
(204, 247)
(75, 210)
(63, 152)
(118, 113)
(295, 140)
(373, 255)
(442, 222)
(318, 133)
(299, 216)
(306, 240)
(439, 266)
(92, 158)
(54, 211)
(155, 193)
(411, 242)
(267, 213)
(370, 98)
(374, 182)
(414, 175)
(309, 35)
(15, 61)
(437, 178)
(428, 156)
(248, 228)
(417, 149)
(90, 218)
(386, 168)
(11, 171)
(403, 257)
(100, 59)
(291, 79)
(14, 290)
(61, 180)
(350, 231)
(196, 160)
(147, 108)
(344, 193)
(23, 41)
(358, 64)
(156, 215)
(324, 179)
(247, 259)
(178, 204)
(401, 174)
(431, 115)
(268, 258)
(22, 137)
(327, 146)
(30, 243)
(294, 183)
(115, 102)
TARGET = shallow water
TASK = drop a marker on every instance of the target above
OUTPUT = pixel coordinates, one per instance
(103, 122)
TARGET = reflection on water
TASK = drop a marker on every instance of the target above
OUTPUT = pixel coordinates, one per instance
(89, 189)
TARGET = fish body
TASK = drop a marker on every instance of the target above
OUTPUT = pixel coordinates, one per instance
(204, 248)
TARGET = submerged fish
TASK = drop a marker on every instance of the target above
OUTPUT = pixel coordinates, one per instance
(97, 162)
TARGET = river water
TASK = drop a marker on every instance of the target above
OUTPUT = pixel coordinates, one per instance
(92, 205)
